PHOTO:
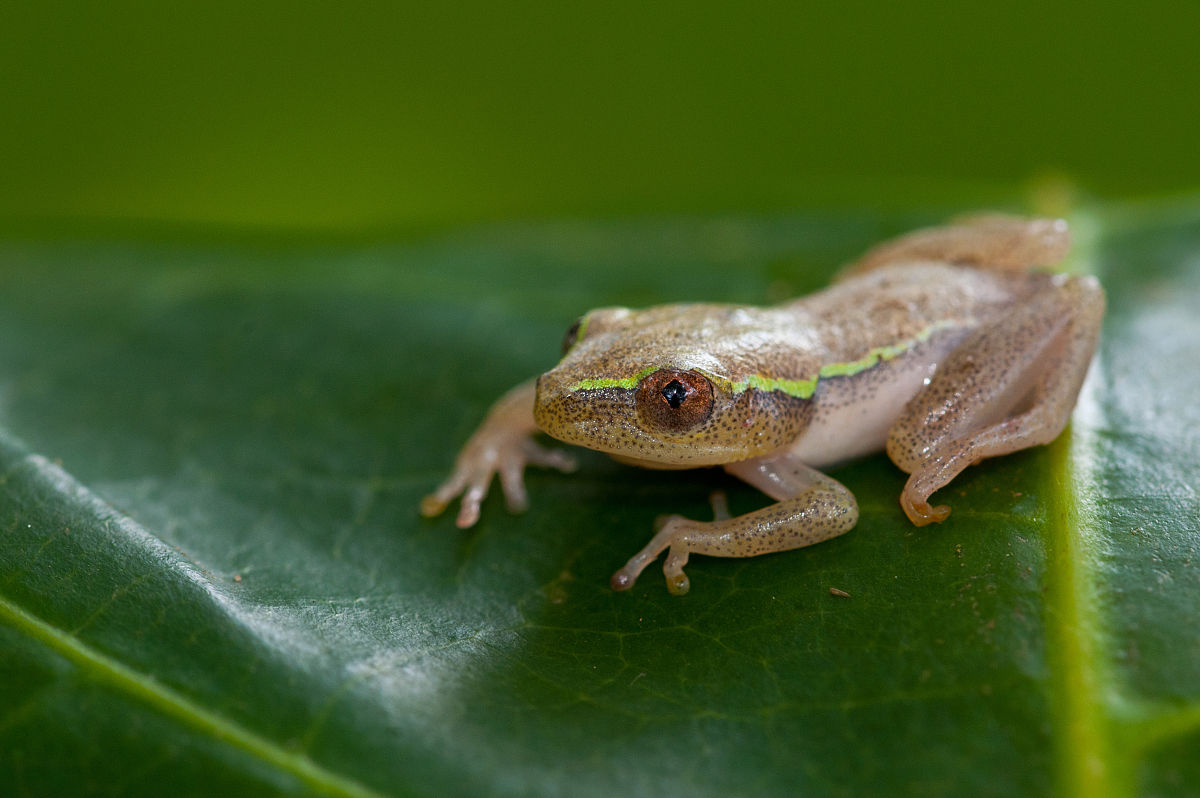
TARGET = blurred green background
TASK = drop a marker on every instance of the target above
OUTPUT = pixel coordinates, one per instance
(347, 117)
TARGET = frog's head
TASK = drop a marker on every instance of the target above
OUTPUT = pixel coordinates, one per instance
(665, 388)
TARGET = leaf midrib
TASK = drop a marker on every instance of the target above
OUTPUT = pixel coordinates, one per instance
(1073, 626)
(1103, 732)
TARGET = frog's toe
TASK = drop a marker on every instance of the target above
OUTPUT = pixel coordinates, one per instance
(431, 505)
(678, 585)
(436, 502)
(720, 505)
(677, 581)
(628, 575)
(665, 531)
(468, 511)
(548, 458)
(512, 481)
(920, 512)
(622, 580)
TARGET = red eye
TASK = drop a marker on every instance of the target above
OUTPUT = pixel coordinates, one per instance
(674, 400)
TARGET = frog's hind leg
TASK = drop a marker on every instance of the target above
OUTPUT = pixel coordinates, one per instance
(1008, 386)
(811, 508)
(986, 241)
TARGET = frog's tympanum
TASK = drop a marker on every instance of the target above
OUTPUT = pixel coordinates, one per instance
(943, 347)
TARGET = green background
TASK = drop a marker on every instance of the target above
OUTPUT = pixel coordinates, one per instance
(264, 268)
(361, 115)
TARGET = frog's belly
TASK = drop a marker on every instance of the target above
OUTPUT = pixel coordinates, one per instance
(852, 415)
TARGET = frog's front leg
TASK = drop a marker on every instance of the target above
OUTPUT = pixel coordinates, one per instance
(502, 446)
(1008, 386)
(811, 508)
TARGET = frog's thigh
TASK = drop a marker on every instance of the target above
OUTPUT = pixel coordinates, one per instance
(1009, 386)
(1007, 243)
(811, 508)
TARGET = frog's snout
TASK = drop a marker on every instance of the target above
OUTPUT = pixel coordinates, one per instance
(595, 418)
(555, 409)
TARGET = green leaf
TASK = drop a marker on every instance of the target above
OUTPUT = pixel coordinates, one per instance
(213, 578)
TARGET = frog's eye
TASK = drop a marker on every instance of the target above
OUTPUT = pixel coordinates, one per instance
(572, 335)
(673, 400)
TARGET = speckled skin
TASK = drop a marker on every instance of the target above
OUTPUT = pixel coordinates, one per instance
(940, 346)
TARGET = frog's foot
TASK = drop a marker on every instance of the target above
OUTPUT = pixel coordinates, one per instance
(919, 512)
(817, 508)
(504, 456)
(502, 446)
(673, 533)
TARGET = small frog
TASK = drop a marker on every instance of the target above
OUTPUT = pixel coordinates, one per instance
(941, 347)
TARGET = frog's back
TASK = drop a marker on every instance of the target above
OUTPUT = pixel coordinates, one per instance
(989, 241)
(891, 305)
(882, 335)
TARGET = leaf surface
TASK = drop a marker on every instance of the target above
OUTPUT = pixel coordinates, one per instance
(213, 577)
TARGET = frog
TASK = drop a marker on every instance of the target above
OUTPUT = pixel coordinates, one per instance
(942, 347)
